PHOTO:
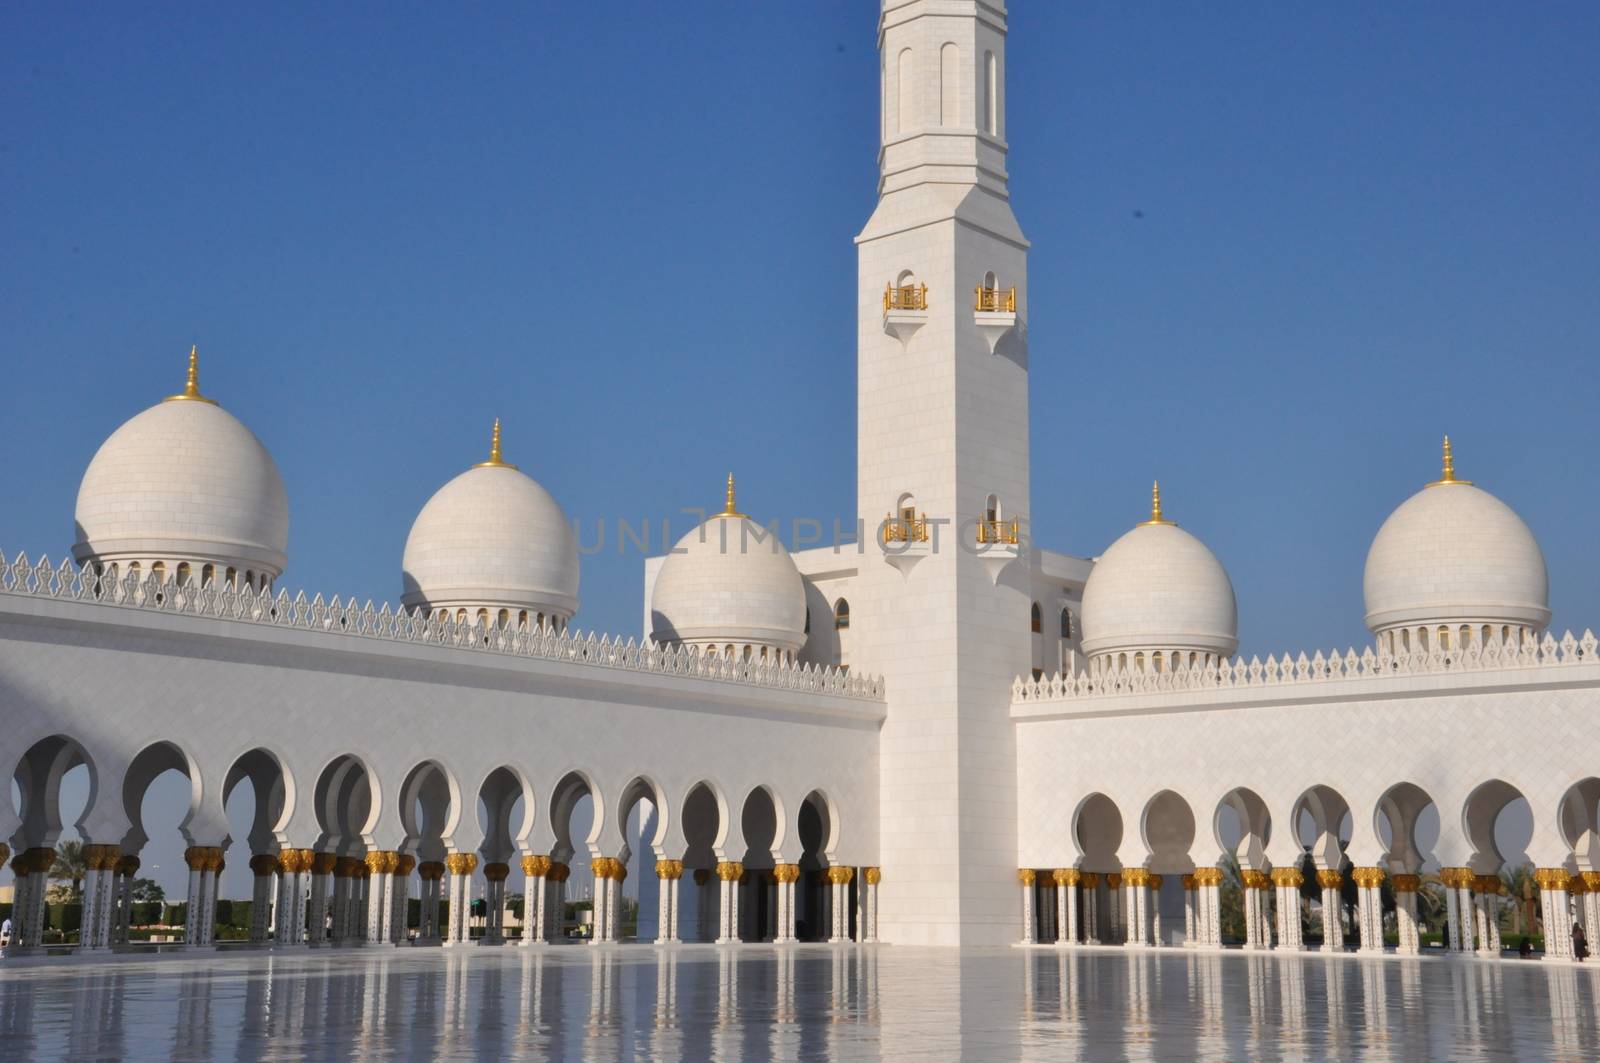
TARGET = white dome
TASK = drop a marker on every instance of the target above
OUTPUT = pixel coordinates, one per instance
(492, 538)
(1159, 589)
(184, 482)
(729, 582)
(1453, 553)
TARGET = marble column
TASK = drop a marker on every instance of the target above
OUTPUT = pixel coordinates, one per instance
(400, 899)
(1089, 881)
(1026, 877)
(343, 879)
(535, 901)
(1114, 933)
(870, 878)
(1067, 879)
(1332, 924)
(201, 909)
(32, 870)
(460, 867)
(728, 874)
(1287, 881)
(839, 879)
(1591, 906)
(1487, 888)
(1153, 899)
(1554, 883)
(1254, 883)
(294, 875)
(495, 875)
(430, 898)
(360, 901)
(1191, 913)
(263, 866)
(1370, 906)
(1408, 931)
(127, 868)
(380, 866)
(94, 932)
(1457, 883)
(785, 875)
(1136, 883)
(322, 865)
(556, 905)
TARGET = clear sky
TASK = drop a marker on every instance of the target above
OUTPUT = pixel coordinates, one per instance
(1278, 250)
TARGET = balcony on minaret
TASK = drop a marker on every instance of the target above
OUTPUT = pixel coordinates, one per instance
(911, 527)
(994, 311)
(905, 309)
(999, 532)
(905, 538)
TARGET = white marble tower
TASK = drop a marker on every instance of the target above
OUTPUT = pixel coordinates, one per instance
(943, 433)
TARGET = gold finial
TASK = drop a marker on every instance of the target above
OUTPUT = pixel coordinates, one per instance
(191, 387)
(728, 507)
(1155, 505)
(1449, 474)
(495, 461)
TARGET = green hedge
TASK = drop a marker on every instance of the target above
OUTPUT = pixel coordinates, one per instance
(67, 918)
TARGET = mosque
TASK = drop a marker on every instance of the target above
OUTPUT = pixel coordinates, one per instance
(942, 733)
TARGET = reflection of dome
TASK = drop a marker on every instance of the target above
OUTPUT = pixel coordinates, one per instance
(493, 544)
(1158, 594)
(1453, 554)
(730, 585)
(184, 486)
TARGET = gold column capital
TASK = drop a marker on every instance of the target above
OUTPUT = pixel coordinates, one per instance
(1487, 883)
(729, 870)
(1288, 876)
(536, 866)
(1552, 878)
(1406, 883)
(461, 863)
(126, 866)
(871, 875)
(1368, 877)
(324, 863)
(1025, 875)
(382, 862)
(404, 863)
(1114, 880)
(1188, 882)
(1066, 876)
(1089, 880)
(1592, 880)
(1253, 879)
(496, 872)
(264, 864)
(1329, 880)
(431, 870)
(1457, 877)
(1136, 876)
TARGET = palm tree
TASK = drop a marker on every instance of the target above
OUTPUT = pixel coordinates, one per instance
(70, 865)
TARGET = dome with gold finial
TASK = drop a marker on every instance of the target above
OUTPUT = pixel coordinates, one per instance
(730, 587)
(493, 546)
(1156, 599)
(1452, 564)
(184, 491)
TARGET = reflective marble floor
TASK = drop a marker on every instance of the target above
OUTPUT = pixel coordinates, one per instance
(756, 1002)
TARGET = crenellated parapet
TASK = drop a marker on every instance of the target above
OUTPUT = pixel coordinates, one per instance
(240, 604)
(1493, 654)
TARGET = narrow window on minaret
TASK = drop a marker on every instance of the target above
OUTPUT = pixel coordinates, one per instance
(949, 85)
(989, 93)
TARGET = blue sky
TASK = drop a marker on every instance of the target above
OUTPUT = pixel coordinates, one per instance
(1278, 250)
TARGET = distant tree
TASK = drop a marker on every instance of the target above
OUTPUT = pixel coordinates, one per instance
(71, 866)
(147, 891)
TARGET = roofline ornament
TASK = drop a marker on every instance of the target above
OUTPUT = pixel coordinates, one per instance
(495, 461)
(1155, 507)
(191, 387)
(1449, 474)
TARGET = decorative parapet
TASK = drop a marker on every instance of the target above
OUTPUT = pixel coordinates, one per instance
(68, 582)
(1492, 655)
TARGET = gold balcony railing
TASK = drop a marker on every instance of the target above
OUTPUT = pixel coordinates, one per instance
(907, 529)
(907, 297)
(1004, 532)
(995, 300)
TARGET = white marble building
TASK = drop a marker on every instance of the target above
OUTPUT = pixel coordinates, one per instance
(878, 740)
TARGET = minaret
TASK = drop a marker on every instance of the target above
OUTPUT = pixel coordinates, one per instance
(943, 431)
